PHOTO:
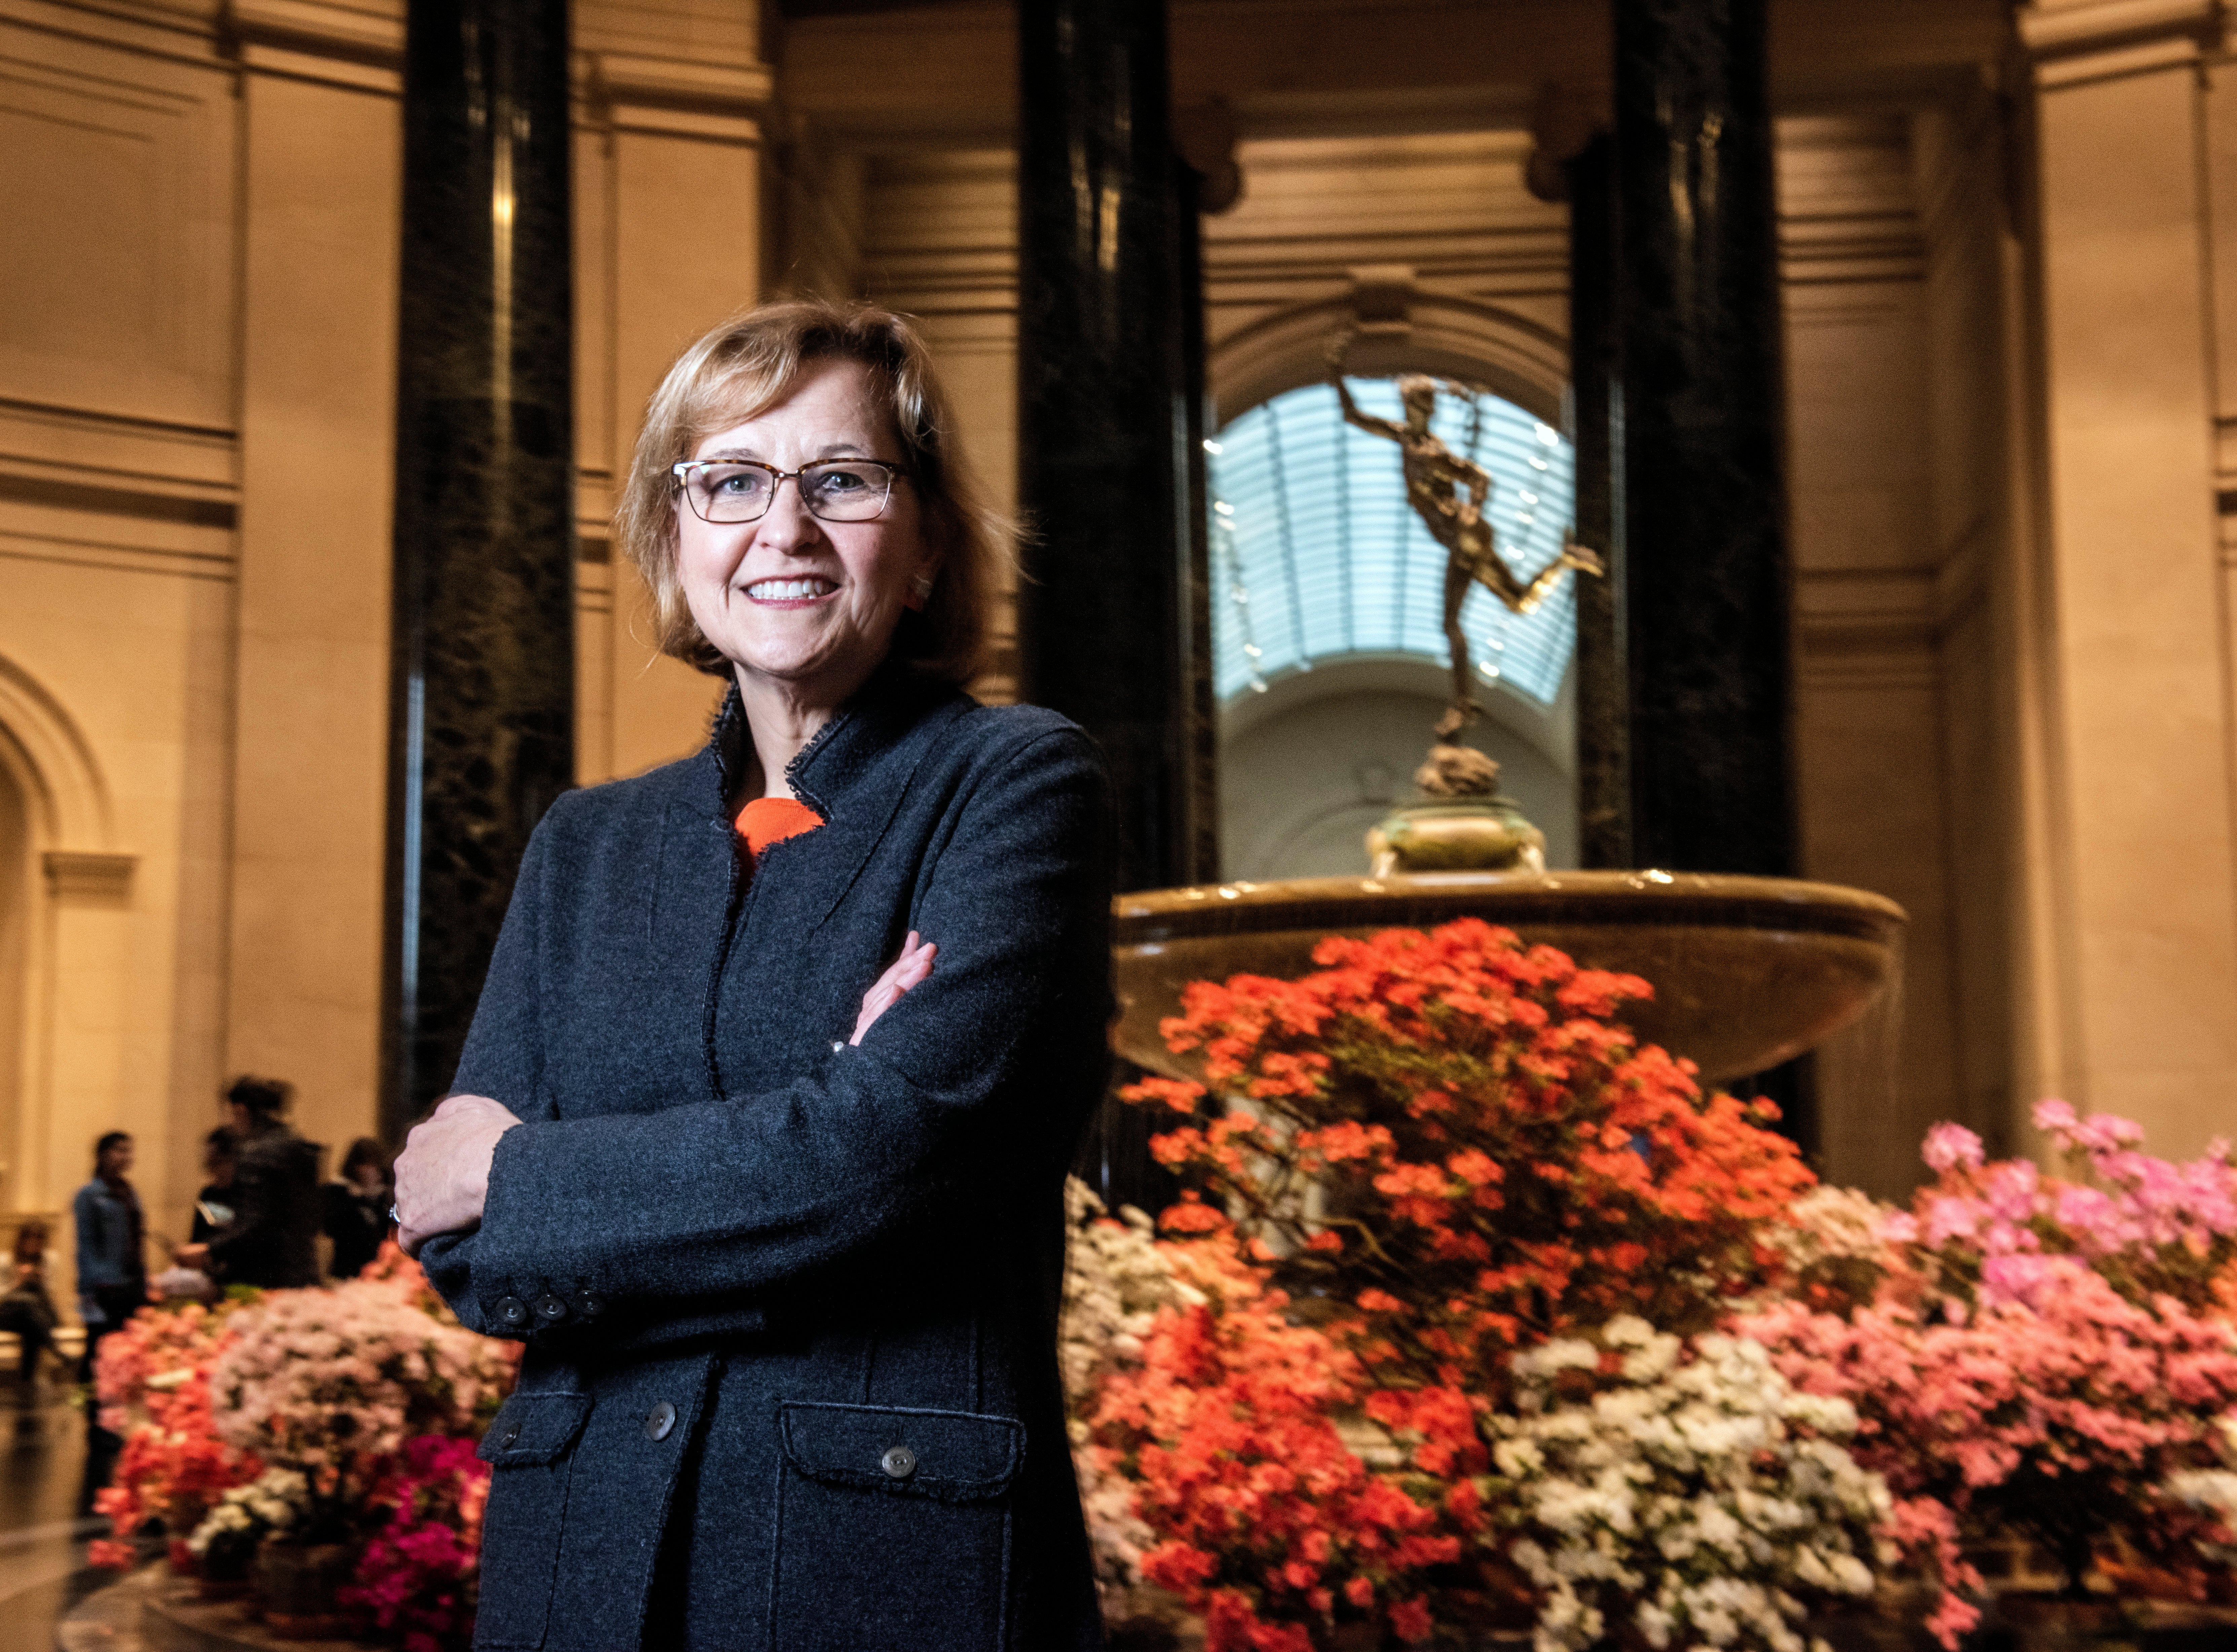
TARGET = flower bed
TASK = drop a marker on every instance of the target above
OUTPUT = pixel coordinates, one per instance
(2045, 1359)
(294, 1420)
(1481, 1315)
(1477, 1316)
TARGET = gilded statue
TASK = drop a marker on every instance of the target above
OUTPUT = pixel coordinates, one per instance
(1451, 495)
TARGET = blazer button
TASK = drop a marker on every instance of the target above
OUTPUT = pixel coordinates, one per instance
(900, 1463)
(659, 1420)
(550, 1307)
(512, 1310)
(510, 1435)
(590, 1303)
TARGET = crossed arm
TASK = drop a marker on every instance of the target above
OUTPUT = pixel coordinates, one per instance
(683, 1220)
(442, 1176)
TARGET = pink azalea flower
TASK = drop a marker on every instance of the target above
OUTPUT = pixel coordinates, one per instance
(1949, 1147)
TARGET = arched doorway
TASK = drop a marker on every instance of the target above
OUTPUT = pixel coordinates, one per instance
(63, 892)
(1330, 662)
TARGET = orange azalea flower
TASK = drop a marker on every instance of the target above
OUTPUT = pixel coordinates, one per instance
(1497, 1161)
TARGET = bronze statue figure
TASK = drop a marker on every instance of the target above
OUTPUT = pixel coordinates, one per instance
(1450, 494)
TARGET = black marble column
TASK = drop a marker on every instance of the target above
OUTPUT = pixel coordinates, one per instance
(481, 734)
(1108, 634)
(1708, 579)
(1596, 390)
(1705, 537)
(1199, 748)
(1114, 624)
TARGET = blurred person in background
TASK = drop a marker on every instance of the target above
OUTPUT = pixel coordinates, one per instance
(356, 1207)
(112, 1281)
(273, 1239)
(112, 1269)
(28, 1311)
(213, 1204)
(186, 1279)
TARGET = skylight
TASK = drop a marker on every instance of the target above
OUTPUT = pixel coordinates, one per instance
(1315, 553)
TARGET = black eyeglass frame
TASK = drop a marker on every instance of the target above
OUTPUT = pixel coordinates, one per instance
(683, 468)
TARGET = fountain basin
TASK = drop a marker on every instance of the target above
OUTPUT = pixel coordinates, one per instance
(1748, 972)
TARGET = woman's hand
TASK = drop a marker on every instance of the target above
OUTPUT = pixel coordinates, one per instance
(906, 971)
(442, 1175)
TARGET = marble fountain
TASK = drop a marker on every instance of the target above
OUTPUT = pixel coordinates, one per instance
(1748, 972)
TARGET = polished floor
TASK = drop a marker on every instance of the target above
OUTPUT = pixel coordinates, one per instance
(43, 1537)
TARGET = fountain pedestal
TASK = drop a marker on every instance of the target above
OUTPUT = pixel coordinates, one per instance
(1747, 972)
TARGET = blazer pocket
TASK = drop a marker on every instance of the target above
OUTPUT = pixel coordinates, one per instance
(529, 1447)
(893, 1528)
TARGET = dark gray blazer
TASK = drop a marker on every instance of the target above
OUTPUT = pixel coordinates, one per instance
(790, 1302)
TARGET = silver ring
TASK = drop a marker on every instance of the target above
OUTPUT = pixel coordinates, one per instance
(393, 1217)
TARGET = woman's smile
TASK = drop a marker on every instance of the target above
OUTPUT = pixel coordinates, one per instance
(792, 593)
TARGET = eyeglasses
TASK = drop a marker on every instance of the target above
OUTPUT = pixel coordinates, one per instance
(742, 490)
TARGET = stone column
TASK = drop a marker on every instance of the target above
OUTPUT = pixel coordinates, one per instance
(1705, 536)
(2126, 655)
(1193, 195)
(1596, 390)
(1106, 633)
(1113, 630)
(481, 736)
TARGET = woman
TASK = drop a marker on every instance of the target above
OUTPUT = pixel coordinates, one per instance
(354, 1210)
(112, 1266)
(771, 1185)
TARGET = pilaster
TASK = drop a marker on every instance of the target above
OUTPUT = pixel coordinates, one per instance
(321, 169)
(683, 154)
(2130, 996)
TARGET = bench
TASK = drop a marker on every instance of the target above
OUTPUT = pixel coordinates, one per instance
(70, 1343)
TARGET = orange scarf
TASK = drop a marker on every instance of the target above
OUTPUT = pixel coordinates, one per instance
(771, 820)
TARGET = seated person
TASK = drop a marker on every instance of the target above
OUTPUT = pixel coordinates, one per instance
(28, 1310)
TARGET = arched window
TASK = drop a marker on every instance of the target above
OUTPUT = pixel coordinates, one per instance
(1315, 553)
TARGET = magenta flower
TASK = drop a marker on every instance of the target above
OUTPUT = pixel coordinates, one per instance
(417, 1578)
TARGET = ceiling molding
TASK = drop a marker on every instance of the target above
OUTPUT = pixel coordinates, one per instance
(2075, 43)
(371, 33)
(716, 100)
(91, 875)
(2057, 28)
(1440, 332)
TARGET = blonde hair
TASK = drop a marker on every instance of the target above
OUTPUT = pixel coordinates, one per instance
(749, 363)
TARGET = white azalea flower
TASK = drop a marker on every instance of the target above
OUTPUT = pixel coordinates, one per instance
(1115, 1280)
(1694, 1493)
